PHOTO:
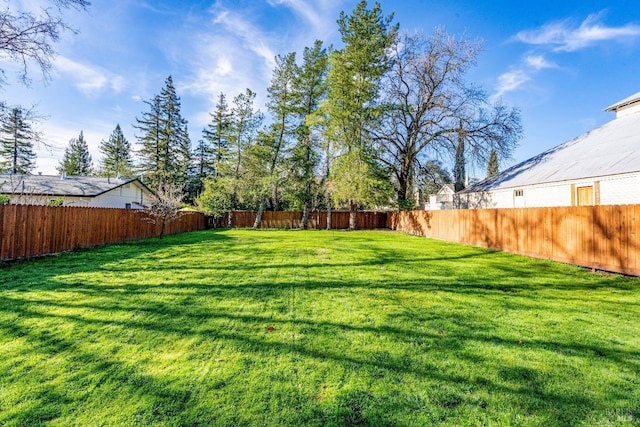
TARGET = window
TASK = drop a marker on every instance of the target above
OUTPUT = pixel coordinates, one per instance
(585, 196)
(518, 193)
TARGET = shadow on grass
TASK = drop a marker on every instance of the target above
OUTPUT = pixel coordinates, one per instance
(191, 311)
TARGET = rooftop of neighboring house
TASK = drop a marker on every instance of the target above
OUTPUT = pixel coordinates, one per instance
(447, 189)
(611, 149)
(631, 102)
(56, 185)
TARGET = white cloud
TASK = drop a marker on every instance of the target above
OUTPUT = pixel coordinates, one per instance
(224, 67)
(252, 38)
(320, 15)
(564, 36)
(521, 74)
(539, 62)
(510, 81)
(219, 64)
(89, 80)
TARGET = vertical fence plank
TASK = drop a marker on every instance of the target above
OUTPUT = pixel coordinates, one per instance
(602, 237)
(29, 230)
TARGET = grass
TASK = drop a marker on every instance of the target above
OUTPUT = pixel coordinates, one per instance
(243, 328)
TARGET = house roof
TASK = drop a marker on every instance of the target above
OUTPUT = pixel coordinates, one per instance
(447, 189)
(611, 149)
(625, 102)
(54, 185)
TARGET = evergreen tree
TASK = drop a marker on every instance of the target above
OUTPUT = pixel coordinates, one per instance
(216, 135)
(176, 133)
(165, 155)
(16, 143)
(152, 154)
(492, 166)
(354, 82)
(233, 136)
(231, 170)
(116, 153)
(310, 88)
(76, 160)
(202, 166)
(282, 107)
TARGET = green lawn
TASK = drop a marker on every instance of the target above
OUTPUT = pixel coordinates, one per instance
(233, 328)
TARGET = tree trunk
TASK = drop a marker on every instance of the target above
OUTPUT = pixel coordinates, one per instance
(230, 220)
(353, 210)
(256, 223)
(459, 167)
(405, 185)
(307, 206)
(305, 217)
(162, 225)
(329, 214)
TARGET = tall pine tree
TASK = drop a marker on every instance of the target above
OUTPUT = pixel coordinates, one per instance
(231, 188)
(116, 151)
(459, 168)
(76, 160)
(176, 132)
(354, 83)
(165, 154)
(16, 143)
(216, 135)
(492, 165)
(282, 107)
(310, 89)
(202, 165)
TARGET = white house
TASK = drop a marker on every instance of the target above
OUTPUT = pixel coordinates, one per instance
(443, 199)
(600, 167)
(82, 191)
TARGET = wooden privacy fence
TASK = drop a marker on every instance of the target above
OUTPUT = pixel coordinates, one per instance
(317, 220)
(27, 230)
(600, 237)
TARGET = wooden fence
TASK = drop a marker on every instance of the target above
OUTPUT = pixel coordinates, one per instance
(317, 220)
(599, 237)
(27, 230)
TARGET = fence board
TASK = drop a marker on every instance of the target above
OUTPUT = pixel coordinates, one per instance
(600, 237)
(293, 219)
(28, 230)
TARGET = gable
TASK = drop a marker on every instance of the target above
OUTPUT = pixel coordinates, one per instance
(56, 186)
(611, 149)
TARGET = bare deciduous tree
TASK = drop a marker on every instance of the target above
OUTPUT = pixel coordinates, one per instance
(429, 105)
(164, 207)
(27, 36)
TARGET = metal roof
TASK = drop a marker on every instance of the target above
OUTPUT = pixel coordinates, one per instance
(627, 101)
(611, 149)
(55, 185)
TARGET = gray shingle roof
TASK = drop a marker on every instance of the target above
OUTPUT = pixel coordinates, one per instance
(611, 149)
(54, 185)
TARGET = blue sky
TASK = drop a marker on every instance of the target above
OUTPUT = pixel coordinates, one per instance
(560, 62)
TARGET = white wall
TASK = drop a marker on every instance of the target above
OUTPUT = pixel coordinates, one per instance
(131, 193)
(622, 190)
(614, 190)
